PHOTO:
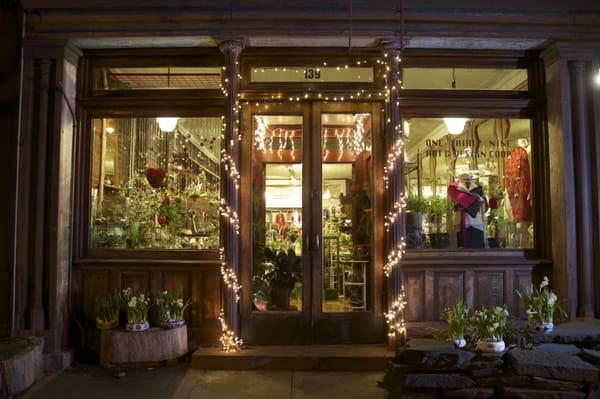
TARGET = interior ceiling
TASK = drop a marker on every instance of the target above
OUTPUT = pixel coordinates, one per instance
(279, 174)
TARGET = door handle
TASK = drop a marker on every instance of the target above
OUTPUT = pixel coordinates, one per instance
(317, 241)
(306, 242)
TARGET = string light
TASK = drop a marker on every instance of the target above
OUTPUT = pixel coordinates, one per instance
(394, 317)
(396, 212)
(231, 215)
(230, 168)
(394, 257)
(229, 341)
(229, 277)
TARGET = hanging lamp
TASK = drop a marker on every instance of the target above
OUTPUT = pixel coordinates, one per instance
(167, 124)
(455, 125)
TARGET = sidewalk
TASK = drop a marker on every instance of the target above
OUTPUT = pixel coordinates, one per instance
(182, 382)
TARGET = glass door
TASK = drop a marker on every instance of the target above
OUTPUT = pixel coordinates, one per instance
(307, 225)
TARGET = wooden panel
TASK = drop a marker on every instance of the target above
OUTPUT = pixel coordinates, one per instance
(211, 303)
(138, 281)
(415, 293)
(522, 282)
(94, 283)
(489, 289)
(448, 288)
(178, 282)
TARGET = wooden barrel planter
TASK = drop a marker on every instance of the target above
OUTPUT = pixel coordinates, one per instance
(151, 346)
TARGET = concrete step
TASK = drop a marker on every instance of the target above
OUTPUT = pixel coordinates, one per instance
(295, 357)
(21, 364)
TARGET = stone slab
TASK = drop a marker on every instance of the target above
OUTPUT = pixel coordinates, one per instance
(431, 353)
(591, 356)
(437, 381)
(490, 372)
(512, 380)
(552, 347)
(553, 365)
(21, 363)
(556, 385)
(527, 393)
(574, 331)
(470, 393)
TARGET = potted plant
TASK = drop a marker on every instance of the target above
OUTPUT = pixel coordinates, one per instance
(496, 225)
(287, 267)
(437, 207)
(136, 308)
(170, 309)
(415, 208)
(457, 318)
(490, 326)
(541, 305)
(107, 310)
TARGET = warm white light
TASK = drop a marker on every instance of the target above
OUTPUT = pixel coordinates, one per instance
(455, 125)
(406, 128)
(110, 130)
(167, 124)
(598, 77)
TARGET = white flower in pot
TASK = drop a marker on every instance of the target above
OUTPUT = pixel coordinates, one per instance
(136, 308)
(457, 318)
(541, 305)
(171, 309)
(490, 326)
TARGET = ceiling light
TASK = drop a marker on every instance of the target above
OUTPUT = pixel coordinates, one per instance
(110, 130)
(167, 124)
(455, 125)
(406, 128)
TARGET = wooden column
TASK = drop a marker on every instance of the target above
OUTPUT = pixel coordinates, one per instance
(583, 190)
(231, 49)
(396, 186)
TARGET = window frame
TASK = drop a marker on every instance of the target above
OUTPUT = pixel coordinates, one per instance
(135, 104)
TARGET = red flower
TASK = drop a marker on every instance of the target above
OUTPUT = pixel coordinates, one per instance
(162, 220)
(155, 176)
(166, 201)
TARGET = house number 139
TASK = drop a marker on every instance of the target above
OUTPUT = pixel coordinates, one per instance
(312, 73)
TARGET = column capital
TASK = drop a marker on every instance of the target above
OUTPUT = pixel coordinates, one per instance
(389, 43)
(230, 45)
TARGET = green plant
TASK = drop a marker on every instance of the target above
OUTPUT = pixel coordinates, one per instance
(135, 306)
(171, 307)
(331, 294)
(416, 205)
(457, 318)
(107, 307)
(490, 324)
(287, 265)
(541, 304)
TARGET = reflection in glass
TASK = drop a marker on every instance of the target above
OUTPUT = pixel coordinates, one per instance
(473, 190)
(465, 78)
(347, 222)
(277, 213)
(155, 189)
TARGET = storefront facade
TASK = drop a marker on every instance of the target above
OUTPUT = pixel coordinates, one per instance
(323, 174)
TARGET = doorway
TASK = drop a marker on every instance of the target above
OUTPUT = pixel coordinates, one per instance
(311, 239)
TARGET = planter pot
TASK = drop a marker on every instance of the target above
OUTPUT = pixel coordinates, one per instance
(169, 325)
(414, 220)
(439, 240)
(496, 242)
(137, 327)
(490, 347)
(260, 305)
(106, 324)
(540, 328)
(460, 342)
(280, 294)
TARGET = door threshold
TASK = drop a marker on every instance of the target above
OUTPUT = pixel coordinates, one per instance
(295, 357)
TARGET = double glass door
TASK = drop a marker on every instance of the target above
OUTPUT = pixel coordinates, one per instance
(310, 236)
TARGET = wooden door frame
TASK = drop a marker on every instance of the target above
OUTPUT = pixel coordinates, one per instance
(312, 325)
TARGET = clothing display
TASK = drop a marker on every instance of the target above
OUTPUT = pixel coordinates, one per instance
(517, 182)
(470, 204)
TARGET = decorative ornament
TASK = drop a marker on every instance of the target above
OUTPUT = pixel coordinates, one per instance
(156, 177)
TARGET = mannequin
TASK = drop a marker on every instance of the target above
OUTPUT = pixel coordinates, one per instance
(470, 205)
(517, 182)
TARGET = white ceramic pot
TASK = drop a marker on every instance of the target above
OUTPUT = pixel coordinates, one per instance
(460, 342)
(541, 328)
(490, 346)
(133, 327)
(169, 325)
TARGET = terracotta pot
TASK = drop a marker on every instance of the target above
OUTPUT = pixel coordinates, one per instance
(137, 327)
(490, 346)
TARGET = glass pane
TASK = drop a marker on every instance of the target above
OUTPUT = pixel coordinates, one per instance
(470, 189)
(154, 185)
(465, 78)
(311, 74)
(277, 213)
(347, 222)
(153, 78)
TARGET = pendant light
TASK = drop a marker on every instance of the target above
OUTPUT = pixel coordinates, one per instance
(598, 77)
(167, 124)
(455, 125)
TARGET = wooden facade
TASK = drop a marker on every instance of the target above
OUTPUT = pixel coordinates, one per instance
(54, 278)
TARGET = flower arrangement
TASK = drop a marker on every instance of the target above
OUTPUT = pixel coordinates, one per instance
(490, 324)
(457, 318)
(136, 308)
(171, 308)
(107, 310)
(541, 305)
